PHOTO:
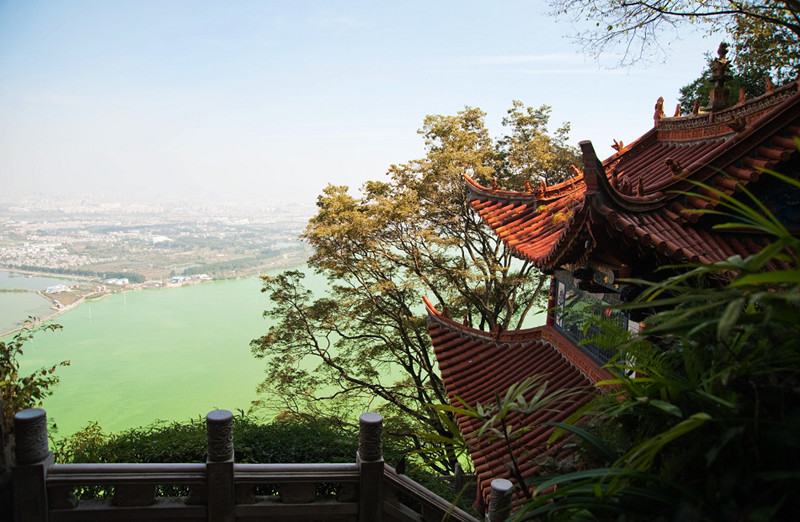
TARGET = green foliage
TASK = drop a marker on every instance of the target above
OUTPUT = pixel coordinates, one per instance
(277, 442)
(291, 440)
(765, 35)
(704, 420)
(530, 152)
(411, 236)
(19, 392)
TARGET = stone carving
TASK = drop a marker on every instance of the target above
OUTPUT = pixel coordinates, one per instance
(500, 500)
(31, 435)
(219, 431)
(370, 443)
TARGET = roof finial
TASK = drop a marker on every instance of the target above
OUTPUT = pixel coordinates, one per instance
(618, 146)
(659, 109)
(494, 184)
(720, 73)
(742, 96)
(677, 111)
(696, 107)
(769, 84)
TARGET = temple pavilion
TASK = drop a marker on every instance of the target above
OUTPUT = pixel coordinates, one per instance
(618, 218)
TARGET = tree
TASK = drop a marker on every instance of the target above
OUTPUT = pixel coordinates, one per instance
(18, 392)
(765, 34)
(529, 152)
(414, 235)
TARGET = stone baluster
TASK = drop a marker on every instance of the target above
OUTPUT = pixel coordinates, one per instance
(33, 458)
(219, 466)
(500, 501)
(370, 465)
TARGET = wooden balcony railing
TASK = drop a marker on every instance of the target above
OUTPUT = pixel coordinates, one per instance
(220, 490)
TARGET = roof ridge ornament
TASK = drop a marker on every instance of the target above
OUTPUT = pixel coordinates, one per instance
(720, 73)
(674, 166)
(659, 109)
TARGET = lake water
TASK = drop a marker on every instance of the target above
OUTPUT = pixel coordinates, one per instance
(149, 355)
(152, 355)
(16, 307)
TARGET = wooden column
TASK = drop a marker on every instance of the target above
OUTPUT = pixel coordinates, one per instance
(219, 466)
(34, 458)
(370, 465)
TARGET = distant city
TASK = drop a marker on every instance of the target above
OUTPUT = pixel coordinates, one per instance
(103, 238)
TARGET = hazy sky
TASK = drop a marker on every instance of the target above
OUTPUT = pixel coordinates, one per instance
(272, 100)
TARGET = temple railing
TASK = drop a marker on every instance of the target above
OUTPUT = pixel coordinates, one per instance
(219, 489)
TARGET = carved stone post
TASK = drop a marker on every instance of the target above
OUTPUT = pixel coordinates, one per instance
(30, 472)
(500, 501)
(219, 466)
(370, 465)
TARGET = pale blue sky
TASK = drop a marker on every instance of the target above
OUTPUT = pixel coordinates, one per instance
(272, 100)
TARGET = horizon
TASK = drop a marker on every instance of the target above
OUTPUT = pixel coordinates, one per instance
(272, 101)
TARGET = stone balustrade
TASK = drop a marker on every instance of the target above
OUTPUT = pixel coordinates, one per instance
(221, 490)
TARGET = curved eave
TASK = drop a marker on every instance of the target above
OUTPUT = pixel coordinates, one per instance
(476, 366)
(737, 157)
(574, 184)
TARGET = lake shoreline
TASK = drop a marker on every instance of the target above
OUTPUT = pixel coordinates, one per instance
(40, 320)
(141, 357)
(79, 299)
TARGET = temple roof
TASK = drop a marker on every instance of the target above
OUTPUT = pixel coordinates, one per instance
(635, 202)
(475, 365)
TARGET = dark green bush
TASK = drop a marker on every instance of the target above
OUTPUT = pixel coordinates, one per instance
(282, 441)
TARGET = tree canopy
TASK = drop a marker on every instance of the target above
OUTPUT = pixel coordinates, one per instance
(765, 34)
(365, 344)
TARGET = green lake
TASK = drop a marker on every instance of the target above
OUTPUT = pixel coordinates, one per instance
(150, 355)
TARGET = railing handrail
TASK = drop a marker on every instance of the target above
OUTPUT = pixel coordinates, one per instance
(219, 490)
(286, 473)
(125, 467)
(109, 473)
(424, 496)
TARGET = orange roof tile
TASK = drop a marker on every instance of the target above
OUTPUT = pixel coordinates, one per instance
(636, 200)
(475, 365)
